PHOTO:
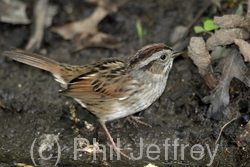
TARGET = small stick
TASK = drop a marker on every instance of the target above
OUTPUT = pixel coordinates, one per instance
(40, 11)
(223, 129)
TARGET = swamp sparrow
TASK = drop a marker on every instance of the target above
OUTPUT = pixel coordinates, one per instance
(111, 88)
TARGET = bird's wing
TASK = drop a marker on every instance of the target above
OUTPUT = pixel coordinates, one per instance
(107, 80)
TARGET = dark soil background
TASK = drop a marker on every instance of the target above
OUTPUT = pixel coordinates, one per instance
(30, 106)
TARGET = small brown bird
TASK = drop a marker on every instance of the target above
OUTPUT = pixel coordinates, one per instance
(111, 88)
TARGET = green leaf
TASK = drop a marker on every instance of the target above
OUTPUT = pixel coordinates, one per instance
(205, 19)
(239, 10)
(139, 29)
(209, 25)
(198, 29)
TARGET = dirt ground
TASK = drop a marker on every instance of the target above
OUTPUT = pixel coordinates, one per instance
(30, 107)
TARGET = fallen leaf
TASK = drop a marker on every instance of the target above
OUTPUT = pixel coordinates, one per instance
(98, 40)
(85, 27)
(244, 48)
(233, 21)
(232, 66)
(198, 53)
(225, 37)
(85, 32)
(13, 11)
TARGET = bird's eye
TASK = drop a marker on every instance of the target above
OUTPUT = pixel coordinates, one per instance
(163, 57)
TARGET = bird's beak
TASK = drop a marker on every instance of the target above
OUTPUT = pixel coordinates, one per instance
(175, 54)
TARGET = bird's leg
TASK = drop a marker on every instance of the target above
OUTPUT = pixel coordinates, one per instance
(116, 149)
(136, 120)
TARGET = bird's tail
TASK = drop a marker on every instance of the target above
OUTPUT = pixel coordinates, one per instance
(35, 60)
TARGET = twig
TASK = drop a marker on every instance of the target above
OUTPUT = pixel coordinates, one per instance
(40, 12)
(223, 127)
(2, 106)
(248, 6)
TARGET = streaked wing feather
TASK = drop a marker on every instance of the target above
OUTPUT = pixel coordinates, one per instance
(106, 83)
